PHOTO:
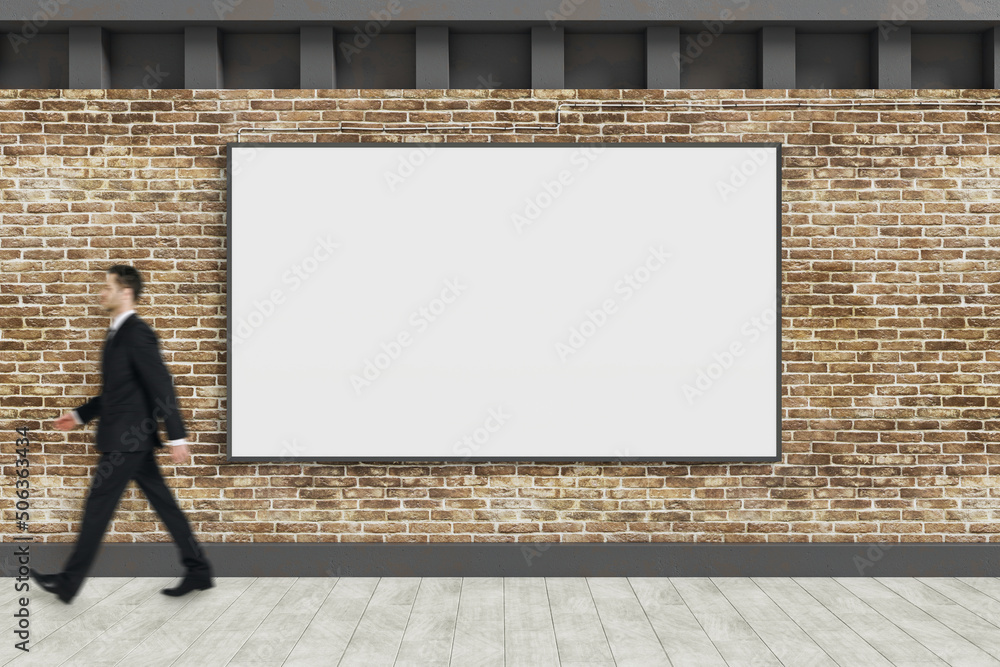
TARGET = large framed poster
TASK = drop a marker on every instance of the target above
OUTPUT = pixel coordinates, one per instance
(504, 302)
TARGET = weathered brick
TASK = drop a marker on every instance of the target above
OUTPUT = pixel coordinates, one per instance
(891, 404)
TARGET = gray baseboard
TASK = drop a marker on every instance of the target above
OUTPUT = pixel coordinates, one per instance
(529, 559)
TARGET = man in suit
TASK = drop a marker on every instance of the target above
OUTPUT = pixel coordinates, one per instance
(136, 392)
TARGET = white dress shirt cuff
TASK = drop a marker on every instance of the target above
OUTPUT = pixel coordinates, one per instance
(76, 417)
(179, 441)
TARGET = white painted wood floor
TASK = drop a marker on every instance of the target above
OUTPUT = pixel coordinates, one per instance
(516, 621)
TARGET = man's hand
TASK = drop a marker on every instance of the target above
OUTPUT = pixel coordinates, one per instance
(64, 422)
(179, 453)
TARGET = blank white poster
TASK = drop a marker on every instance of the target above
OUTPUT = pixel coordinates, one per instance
(504, 301)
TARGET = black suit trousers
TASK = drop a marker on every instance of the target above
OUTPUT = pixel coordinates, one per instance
(113, 473)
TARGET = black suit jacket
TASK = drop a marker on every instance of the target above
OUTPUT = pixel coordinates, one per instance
(136, 392)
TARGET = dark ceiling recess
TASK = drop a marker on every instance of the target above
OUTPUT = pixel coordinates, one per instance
(521, 44)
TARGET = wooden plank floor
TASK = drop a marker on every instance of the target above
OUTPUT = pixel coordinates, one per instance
(516, 621)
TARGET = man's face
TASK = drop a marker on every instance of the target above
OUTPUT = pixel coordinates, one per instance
(113, 295)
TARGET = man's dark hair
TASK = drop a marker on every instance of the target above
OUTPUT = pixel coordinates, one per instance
(127, 276)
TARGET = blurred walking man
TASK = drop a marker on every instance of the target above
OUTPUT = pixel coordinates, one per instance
(136, 392)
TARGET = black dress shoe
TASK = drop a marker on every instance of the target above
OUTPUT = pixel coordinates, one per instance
(187, 585)
(50, 583)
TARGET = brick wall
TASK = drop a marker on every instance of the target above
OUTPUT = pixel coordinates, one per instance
(891, 289)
